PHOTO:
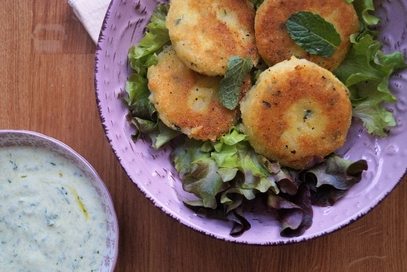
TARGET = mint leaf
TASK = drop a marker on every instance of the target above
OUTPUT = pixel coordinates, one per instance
(230, 85)
(313, 33)
(256, 3)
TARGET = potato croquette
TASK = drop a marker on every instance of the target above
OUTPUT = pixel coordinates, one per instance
(274, 42)
(295, 111)
(186, 100)
(206, 33)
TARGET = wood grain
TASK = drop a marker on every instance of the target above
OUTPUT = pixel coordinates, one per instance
(46, 85)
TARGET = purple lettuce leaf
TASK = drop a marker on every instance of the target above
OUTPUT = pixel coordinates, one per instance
(295, 212)
(198, 172)
(330, 181)
(224, 213)
(228, 174)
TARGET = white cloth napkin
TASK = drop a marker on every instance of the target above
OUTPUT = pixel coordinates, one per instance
(91, 13)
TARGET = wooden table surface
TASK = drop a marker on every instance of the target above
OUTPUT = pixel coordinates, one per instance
(46, 85)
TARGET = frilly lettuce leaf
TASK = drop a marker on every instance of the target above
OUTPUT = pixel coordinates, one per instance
(228, 173)
(138, 102)
(198, 172)
(229, 161)
(240, 223)
(144, 55)
(364, 9)
(366, 71)
(323, 184)
(330, 181)
(142, 112)
(295, 212)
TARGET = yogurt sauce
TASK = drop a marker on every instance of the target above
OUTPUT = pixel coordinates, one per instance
(51, 218)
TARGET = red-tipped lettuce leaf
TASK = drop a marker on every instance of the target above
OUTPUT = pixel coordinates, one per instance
(295, 212)
(329, 181)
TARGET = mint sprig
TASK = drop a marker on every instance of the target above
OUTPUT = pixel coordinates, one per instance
(230, 85)
(313, 33)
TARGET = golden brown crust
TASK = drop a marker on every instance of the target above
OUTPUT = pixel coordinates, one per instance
(274, 42)
(206, 33)
(186, 100)
(295, 111)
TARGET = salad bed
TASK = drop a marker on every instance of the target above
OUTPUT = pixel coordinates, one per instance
(227, 173)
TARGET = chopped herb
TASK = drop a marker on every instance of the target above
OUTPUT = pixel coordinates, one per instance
(15, 166)
(307, 114)
(267, 104)
(50, 218)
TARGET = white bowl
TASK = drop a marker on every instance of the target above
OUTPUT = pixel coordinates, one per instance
(18, 138)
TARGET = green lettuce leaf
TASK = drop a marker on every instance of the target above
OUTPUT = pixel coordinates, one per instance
(228, 173)
(364, 9)
(143, 114)
(366, 71)
(230, 160)
(198, 172)
(138, 102)
(144, 55)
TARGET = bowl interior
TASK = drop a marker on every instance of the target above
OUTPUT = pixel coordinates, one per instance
(9, 138)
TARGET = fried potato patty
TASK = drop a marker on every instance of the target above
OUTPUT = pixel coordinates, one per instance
(206, 33)
(295, 111)
(274, 42)
(188, 101)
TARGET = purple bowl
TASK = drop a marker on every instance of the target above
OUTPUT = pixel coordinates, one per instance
(154, 175)
(10, 138)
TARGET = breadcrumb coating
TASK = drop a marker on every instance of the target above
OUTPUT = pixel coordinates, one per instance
(186, 100)
(274, 42)
(295, 111)
(206, 33)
